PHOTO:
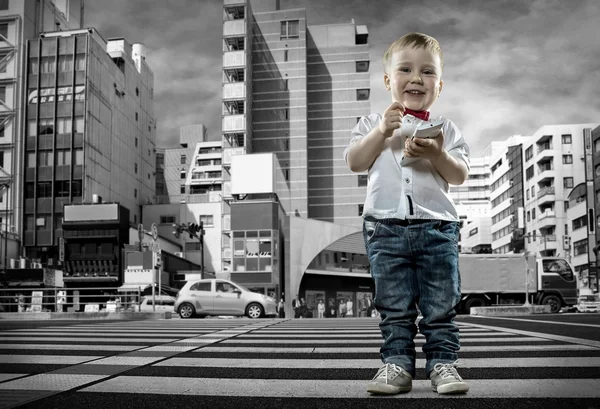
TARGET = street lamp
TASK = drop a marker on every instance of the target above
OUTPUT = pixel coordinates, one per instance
(527, 254)
(7, 186)
(195, 231)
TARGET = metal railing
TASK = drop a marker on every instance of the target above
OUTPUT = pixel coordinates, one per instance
(35, 299)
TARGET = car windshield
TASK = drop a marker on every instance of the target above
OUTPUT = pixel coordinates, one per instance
(589, 298)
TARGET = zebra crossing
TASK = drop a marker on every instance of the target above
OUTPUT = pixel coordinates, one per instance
(306, 363)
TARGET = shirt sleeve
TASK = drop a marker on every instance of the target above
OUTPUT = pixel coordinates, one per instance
(456, 145)
(360, 130)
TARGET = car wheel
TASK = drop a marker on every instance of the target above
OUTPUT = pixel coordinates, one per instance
(254, 310)
(186, 310)
(554, 302)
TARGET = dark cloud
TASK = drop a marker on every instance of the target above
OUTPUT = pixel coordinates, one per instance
(511, 66)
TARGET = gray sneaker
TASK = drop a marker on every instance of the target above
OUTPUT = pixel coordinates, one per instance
(390, 380)
(445, 379)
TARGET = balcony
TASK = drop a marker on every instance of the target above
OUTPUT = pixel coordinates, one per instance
(546, 194)
(234, 123)
(230, 152)
(233, 59)
(235, 90)
(546, 219)
(234, 28)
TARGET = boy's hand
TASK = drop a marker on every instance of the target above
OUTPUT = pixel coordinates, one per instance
(392, 119)
(427, 148)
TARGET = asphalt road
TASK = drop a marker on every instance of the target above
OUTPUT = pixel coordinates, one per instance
(536, 361)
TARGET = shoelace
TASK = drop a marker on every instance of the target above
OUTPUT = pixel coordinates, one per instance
(390, 370)
(447, 370)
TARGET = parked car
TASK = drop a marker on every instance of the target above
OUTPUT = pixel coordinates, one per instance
(163, 303)
(222, 297)
(588, 303)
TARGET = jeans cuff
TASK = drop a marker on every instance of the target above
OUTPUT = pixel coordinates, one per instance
(434, 358)
(404, 360)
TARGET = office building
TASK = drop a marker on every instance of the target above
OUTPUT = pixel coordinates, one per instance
(89, 132)
(293, 91)
(21, 21)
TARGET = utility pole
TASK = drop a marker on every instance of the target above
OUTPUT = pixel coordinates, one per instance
(195, 231)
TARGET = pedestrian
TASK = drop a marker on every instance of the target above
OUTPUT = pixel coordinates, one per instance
(410, 223)
(296, 306)
(349, 308)
(342, 308)
(302, 308)
(332, 308)
(281, 308)
(321, 309)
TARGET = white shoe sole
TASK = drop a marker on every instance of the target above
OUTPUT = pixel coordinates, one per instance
(451, 388)
(379, 388)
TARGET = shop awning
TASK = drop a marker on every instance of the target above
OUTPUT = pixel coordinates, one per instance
(338, 273)
(131, 287)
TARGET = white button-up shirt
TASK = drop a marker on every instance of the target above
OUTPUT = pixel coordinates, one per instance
(411, 191)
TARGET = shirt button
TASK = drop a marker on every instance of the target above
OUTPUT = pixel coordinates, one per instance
(407, 181)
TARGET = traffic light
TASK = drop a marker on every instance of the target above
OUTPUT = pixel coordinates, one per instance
(193, 230)
(177, 231)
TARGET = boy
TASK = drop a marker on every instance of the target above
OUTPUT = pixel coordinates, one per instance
(410, 222)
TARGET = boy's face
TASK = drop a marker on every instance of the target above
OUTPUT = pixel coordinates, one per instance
(414, 77)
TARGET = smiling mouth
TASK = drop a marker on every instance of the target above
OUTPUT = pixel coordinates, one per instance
(415, 92)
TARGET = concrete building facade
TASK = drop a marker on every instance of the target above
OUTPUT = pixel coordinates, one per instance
(21, 21)
(89, 131)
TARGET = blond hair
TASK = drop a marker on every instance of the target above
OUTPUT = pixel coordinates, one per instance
(416, 40)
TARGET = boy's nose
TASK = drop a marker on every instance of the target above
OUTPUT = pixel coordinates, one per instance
(417, 79)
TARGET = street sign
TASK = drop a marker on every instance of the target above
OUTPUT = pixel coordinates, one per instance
(154, 232)
(61, 249)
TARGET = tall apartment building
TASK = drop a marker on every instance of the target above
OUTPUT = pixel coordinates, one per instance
(554, 165)
(294, 90)
(89, 131)
(189, 190)
(506, 192)
(21, 21)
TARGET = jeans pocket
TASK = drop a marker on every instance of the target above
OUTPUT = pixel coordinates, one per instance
(448, 229)
(369, 230)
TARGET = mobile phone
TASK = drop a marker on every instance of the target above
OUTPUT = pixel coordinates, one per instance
(429, 129)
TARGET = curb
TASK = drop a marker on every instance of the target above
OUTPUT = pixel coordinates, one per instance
(510, 310)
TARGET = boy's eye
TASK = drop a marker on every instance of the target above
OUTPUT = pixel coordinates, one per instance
(428, 72)
(404, 69)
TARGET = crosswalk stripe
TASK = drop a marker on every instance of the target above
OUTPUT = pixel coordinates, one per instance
(301, 388)
(376, 363)
(153, 351)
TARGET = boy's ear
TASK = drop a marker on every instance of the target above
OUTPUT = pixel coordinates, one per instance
(441, 87)
(386, 81)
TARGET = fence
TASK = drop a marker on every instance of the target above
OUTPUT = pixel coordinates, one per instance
(69, 300)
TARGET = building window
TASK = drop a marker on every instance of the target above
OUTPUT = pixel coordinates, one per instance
(65, 63)
(533, 214)
(528, 216)
(167, 219)
(63, 125)
(566, 139)
(529, 173)
(63, 157)
(80, 62)
(285, 55)
(136, 141)
(135, 193)
(136, 116)
(3, 4)
(360, 209)
(362, 180)
(2, 128)
(289, 29)
(79, 123)
(473, 231)
(568, 183)
(182, 189)
(567, 159)
(182, 160)
(529, 153)
(363, 94)
(566, 205)
(3, 93)
(285, 84)
(597, 145)
(362, 66)
(207, 219)
(526, 194)
(182, 174)
(4, 30)
(137, 92)
(135, 168)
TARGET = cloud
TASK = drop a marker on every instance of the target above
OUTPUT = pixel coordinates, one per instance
(511, 66)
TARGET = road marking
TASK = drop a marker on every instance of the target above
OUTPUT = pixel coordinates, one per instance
(46, 359)
(323, 388)
(373, 340)
(571, 362)
(580, 341)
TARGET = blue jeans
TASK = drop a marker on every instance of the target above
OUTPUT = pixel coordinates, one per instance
(415, 264)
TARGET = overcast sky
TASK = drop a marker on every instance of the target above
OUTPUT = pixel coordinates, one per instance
(511, 66)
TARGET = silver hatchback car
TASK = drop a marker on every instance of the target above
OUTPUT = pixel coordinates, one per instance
(222, 297)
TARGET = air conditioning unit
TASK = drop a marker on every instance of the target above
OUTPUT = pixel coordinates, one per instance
(179, 254)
